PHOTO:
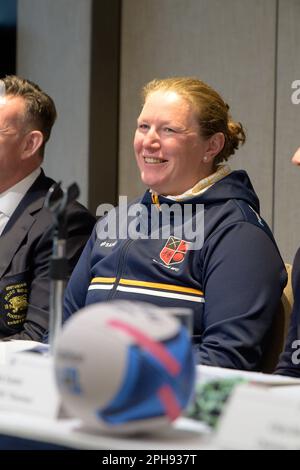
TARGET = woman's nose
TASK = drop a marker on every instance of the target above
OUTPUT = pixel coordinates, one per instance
(151, 139)
(296, 157)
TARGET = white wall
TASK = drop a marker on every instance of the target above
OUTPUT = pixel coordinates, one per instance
(287, 181)
(54, 51)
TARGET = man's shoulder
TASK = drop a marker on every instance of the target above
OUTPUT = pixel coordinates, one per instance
(44, 183)
(75, 208)
(77, 214)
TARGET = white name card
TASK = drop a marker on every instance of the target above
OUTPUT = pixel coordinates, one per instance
(27, 384)
(258, 418)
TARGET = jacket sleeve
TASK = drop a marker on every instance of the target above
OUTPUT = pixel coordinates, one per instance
(79, 225)
(243, 279)
(79, 282)
(289, 362)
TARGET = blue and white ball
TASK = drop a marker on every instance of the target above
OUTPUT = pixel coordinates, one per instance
(124, 366)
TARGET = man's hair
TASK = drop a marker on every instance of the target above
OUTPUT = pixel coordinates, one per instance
(40, 111)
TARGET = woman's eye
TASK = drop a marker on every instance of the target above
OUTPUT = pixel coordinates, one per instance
(168, 130)
(143, 126)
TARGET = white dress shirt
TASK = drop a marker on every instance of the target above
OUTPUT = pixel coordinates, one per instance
(11, 198)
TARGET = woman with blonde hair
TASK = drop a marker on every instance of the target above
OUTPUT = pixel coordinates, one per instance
(230, 274)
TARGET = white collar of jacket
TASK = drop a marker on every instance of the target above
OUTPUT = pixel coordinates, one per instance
(200, 187)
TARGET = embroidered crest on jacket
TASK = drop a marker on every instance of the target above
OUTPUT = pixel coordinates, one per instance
(174, 251)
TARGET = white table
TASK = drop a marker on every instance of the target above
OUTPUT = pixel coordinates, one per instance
(184, 434)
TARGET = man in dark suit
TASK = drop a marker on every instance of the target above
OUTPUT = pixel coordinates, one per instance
(27, 115)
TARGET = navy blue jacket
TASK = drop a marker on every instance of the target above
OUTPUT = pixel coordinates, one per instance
(233, 283)
(289, 362)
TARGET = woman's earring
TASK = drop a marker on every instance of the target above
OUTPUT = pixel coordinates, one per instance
(205, 159)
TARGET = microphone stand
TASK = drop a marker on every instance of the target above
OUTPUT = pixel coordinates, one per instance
(57, 200)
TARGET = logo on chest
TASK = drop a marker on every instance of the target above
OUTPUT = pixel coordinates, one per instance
(174, 251)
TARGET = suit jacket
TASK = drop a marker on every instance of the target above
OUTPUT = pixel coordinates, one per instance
(25, 251)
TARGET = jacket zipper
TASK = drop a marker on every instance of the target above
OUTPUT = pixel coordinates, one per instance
(120, 267)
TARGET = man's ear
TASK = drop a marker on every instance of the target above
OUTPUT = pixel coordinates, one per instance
(32, 143)
(215, 144)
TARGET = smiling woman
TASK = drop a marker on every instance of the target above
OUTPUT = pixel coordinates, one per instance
(233, 280)
(186, 124)
(168, 142)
